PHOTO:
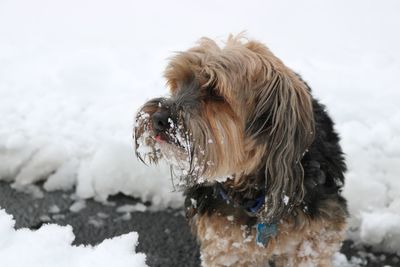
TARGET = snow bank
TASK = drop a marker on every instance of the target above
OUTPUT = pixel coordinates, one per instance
(367, 117)
(72, 78)
(51, 245)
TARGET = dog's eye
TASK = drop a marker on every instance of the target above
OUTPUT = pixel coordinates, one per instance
(213, 94)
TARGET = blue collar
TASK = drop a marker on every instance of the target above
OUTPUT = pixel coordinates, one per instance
(258, 202)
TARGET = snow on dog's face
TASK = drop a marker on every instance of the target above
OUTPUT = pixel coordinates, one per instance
(190, 130)
(198, 130)
(162, 132)
(233, 111)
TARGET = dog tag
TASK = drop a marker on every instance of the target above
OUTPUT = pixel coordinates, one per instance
(264, 233)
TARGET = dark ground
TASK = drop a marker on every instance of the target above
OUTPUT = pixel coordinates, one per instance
(164, 236)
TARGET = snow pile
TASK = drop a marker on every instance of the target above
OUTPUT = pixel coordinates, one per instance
(340, 260)
(367, 118)
(71, 80)
(51, 246)
(381, 228)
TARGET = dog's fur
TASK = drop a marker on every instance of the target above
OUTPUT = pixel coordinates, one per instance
(238, 112)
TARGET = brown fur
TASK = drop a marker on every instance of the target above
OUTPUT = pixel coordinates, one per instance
(300, 241)
(223, 136)
(252, 80)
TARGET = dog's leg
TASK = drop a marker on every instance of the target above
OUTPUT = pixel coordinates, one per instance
(317, 251)
(318, 242)
(223, 242)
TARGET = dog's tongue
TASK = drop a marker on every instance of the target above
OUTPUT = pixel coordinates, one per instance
(159, 138)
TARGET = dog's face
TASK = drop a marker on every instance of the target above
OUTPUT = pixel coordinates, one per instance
(231, 112)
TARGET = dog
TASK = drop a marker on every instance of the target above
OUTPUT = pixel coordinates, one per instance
(255, 153)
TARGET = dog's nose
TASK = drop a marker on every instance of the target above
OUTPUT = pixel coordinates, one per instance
(160, 120)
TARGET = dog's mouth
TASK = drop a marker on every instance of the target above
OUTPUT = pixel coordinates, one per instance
(161, 138)
(171, 143)
(172, 137)
(175, 145)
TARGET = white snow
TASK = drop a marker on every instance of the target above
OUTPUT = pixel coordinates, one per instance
(51, 245)
(132, 208)
(54, 209)
(286, 199)
(340, 260)
(78, 205)
(73, 74)
(381, 228)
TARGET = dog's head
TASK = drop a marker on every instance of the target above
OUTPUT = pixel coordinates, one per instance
(232, 111)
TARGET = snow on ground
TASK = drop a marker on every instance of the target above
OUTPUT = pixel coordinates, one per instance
(73, 74)
(51, 245)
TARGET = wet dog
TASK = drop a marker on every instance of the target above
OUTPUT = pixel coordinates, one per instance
(256, 155)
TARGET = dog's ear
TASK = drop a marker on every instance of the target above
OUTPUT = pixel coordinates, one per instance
(281, 122)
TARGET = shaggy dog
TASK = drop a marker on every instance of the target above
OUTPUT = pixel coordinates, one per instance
(256, 155)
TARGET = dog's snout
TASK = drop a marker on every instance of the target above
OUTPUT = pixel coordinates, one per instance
(161, 120)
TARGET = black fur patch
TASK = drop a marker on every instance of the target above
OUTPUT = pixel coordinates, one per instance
(324, 169)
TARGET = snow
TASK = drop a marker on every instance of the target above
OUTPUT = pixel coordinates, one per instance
(132, 208)
(78, 205)
(51, 245)
(71, 80)
(54, 209)
(340, 260)
(381, 228)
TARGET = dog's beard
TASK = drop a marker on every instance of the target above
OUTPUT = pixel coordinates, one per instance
(176, 146)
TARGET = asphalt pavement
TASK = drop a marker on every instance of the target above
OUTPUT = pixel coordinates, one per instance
(163, 235)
